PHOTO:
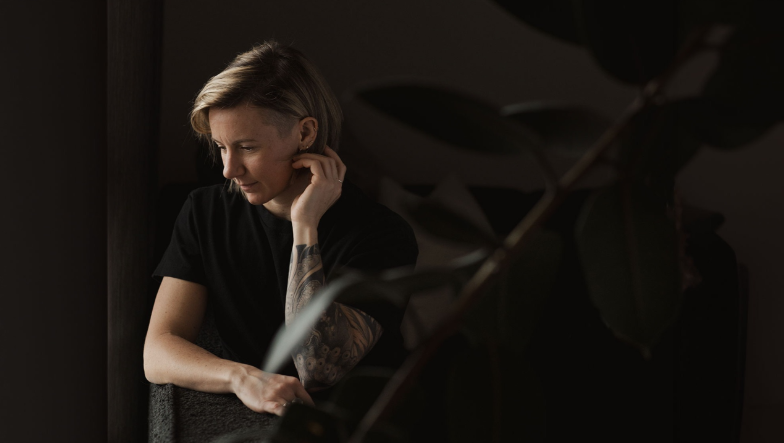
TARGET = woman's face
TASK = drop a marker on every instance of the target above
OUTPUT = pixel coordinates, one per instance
(254, 155)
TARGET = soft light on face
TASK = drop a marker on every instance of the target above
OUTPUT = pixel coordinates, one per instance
(253, 154)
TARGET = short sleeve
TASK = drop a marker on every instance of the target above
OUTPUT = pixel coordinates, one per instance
(182, 258)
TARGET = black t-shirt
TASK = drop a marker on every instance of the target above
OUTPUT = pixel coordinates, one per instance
(241, 253)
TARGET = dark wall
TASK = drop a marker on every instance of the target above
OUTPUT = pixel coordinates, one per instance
(53, 253)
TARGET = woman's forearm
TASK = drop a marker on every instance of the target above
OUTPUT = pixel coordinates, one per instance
(169, 358)
(341, 337)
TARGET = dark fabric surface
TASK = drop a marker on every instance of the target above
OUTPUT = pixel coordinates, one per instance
(201, 417)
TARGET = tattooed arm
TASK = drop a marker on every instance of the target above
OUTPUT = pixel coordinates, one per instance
(341, 337)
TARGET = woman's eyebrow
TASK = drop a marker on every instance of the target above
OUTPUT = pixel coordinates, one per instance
(236, 142)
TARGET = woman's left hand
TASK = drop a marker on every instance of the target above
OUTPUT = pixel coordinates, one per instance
(326, 185)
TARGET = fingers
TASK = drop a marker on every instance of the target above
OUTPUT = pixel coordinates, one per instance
(331, 164)
(302, 394)
(272, 393)
(340, 172)
(315, 165)
(288, 391)
(274, 407)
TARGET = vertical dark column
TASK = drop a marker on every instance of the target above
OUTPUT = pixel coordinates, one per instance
(134, 41)
(53, 221)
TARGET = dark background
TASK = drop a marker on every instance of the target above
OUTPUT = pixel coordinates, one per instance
(88, 141)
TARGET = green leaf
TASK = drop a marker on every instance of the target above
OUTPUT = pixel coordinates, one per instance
(632, 41)
(568, 130)
(746, 84)
(554, 17)
(628, 248)
(440, 221)
(351, 287)
(451, 117)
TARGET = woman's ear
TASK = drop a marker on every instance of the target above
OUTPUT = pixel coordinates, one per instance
(308, 130)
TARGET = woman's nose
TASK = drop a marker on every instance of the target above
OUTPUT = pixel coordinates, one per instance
(232, 165)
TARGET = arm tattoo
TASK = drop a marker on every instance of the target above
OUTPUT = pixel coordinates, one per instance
(340, 338)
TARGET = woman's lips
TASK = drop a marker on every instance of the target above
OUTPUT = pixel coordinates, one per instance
(248, 186)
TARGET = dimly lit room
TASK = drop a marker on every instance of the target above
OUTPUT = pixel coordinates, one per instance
(546, 221)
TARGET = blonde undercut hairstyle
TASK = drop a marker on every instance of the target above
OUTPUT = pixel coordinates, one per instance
(280, 80)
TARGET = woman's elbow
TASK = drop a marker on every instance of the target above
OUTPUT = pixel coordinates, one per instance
(152, 371)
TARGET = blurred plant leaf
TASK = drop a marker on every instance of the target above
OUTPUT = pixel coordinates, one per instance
(565, 129)
(471, 261)
(466, 266)
(632, 41)
(746, 83)
(442, 222)
(451, 117)
(349, 288)
(358, 390)
(628, 249)
(554, 17)
(422, 280)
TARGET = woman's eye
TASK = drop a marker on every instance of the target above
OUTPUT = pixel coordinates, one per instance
(247, 148)
(222, 148)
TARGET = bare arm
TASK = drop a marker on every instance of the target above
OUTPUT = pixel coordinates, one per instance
(343, 335)
(170, 356)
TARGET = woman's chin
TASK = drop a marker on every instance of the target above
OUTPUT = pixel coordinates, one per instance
(255, 199)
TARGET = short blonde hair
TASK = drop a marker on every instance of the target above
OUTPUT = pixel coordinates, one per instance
(280, 80)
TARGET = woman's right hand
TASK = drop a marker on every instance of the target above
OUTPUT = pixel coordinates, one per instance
(265, 392)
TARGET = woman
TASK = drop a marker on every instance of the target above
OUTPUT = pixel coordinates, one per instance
(260, 250)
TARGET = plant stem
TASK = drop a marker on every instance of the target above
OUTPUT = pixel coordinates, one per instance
(502, 258)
